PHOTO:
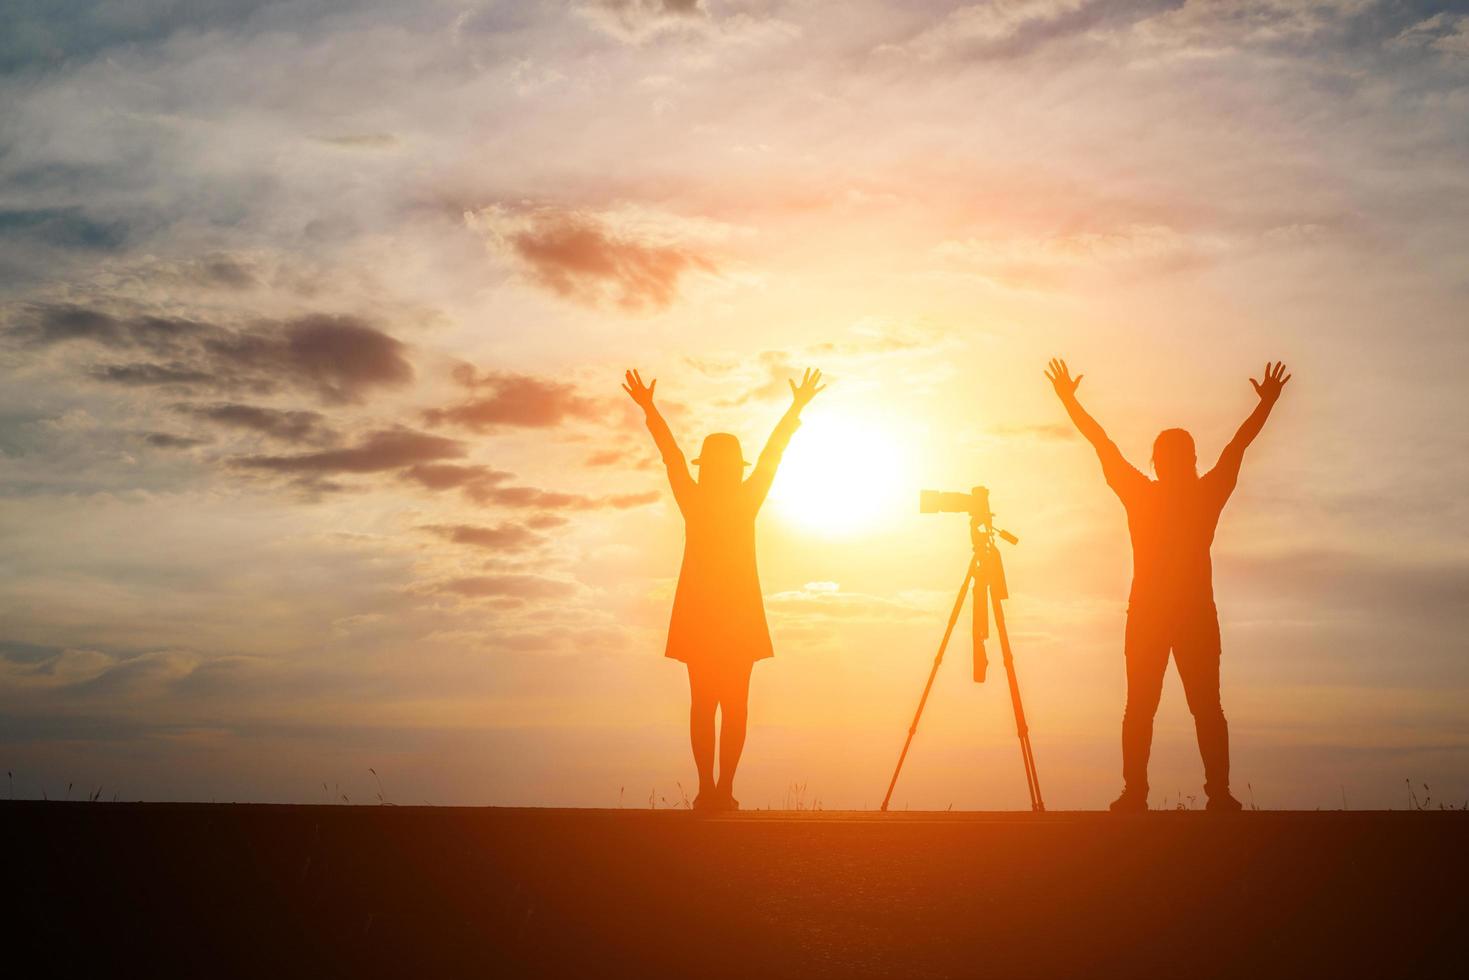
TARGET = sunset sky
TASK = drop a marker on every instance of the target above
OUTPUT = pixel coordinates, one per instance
(314, 459)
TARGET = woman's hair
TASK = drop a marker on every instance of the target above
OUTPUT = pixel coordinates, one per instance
(1174, 455)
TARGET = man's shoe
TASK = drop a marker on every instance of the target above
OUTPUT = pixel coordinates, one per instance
(1224, 803)
(1130, 802)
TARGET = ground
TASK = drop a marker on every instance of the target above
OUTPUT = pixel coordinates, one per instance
(205, 890)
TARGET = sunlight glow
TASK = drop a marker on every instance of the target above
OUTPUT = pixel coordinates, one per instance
(842, 475)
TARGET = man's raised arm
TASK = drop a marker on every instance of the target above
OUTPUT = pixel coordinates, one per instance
(1226, 471)
(1121, 475)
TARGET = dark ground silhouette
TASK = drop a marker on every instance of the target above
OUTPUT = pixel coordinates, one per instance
(210, 890)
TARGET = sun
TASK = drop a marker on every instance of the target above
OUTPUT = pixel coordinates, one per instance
(842, 475)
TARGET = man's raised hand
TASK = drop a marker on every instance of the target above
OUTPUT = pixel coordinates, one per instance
(809, 387)
(1059, 375)
(1275, 378)
(637, 391)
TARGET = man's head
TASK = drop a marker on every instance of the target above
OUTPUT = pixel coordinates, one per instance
(1174, 457)
(721, 462)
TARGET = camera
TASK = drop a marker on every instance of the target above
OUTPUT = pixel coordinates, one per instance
(975, 502)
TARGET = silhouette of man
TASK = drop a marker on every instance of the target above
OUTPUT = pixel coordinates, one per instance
(1171, 522)
(718, 624)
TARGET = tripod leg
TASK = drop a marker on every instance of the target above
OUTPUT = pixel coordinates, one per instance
(1032, 780)
(938, 659)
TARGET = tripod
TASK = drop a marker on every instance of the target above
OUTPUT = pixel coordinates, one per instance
(987, 576)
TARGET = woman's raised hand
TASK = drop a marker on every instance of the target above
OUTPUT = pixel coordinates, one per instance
(637, 391)
(1059, 375)
(809, 387)
(1275, 378)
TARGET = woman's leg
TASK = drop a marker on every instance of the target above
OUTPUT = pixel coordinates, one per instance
(703, 696)
(734, 710)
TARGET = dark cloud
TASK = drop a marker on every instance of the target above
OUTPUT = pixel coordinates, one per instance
(36, 36)
(488, 487)
(631, 459)
(390, 449)
(452, 476)
(225, 272)
(68, 228)
(48, 325)
(339, 358)
(167, 440)
(581, 257)
(417, 458)
(506, 536)
(534, 497)
(516, 400)
(292, 426)
(516, 586)
(362, 141)
(145, 375)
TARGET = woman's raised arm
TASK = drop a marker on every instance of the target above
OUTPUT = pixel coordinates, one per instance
(769, 461)
(673, 457)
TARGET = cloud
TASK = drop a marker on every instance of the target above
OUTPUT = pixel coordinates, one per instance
(514, 400)
(287, 425)
(636, 21)
(622, 458)
(868, 348)
(487, 487)
(1426, 591)
(509, 585)
(389, 449)
(172, 375)
(534, 497)
(455, 476)
(339, 358)
(505, 536)
(167, 440)
(1202, 26)
(49, 325)
(1445, 32)
(633, 260)
(362, 141)
(826, 600)
(65, 228)
(49, 35)
(1049, 261)
(985, 25)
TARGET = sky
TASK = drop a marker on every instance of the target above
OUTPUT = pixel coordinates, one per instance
(317, 484)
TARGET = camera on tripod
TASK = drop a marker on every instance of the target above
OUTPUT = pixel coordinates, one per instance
(985, 580)
(975, 503)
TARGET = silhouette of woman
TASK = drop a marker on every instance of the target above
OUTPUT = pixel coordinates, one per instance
(718, 624)
(1171, 606)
